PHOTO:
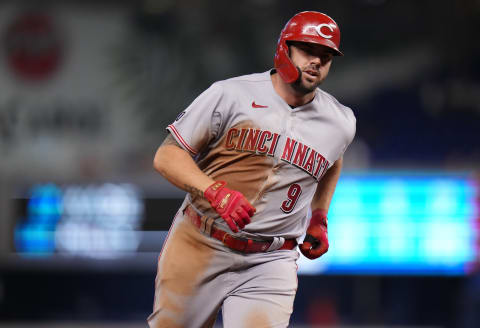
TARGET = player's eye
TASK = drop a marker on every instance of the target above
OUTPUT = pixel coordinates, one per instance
(305, 48)
(325, 58)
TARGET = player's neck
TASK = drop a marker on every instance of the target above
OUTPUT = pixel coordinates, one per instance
(292, 97)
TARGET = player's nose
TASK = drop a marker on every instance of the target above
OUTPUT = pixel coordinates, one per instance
(315, 61)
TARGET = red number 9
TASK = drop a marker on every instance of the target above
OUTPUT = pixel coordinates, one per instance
(292, 196)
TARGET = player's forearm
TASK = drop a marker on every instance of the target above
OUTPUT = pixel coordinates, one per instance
(176, 165)
(326, 187)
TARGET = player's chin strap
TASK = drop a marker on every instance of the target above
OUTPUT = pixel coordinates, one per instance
(276, 244)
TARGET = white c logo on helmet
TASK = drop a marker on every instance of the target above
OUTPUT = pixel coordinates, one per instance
(331, 27)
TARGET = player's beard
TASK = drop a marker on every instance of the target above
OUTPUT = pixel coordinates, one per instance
(301, 86)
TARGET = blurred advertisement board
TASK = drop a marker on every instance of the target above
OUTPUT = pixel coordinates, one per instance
(379, 223)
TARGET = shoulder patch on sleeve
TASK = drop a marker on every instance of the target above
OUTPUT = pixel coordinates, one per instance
(180, 116)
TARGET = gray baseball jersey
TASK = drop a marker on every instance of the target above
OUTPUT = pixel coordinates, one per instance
(241, 131)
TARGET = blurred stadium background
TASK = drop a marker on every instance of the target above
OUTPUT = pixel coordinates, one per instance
(87, 88)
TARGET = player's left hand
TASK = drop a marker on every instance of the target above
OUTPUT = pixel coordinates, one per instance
(315, 243)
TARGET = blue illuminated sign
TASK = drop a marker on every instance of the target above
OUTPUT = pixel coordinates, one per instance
(400, 224)
(36, 233)
(387, 223)
(96, 221)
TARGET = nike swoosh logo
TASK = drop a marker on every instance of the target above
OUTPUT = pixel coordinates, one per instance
(254, 105)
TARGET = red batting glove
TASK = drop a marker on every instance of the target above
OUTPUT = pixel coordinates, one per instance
(315, 243)
(232, 206)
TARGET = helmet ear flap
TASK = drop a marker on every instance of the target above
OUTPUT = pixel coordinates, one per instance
(284, 65)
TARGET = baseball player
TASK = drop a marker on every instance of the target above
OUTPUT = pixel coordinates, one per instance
(254, 153)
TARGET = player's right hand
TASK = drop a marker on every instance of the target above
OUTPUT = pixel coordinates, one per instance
(232, 206)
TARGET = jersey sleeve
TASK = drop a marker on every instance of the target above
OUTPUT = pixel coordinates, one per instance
(197, 125)
(351, 128)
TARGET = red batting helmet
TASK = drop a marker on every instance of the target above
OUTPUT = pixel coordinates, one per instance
(307, 26)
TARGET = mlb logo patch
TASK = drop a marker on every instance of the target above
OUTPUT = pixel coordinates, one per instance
(180, 116)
